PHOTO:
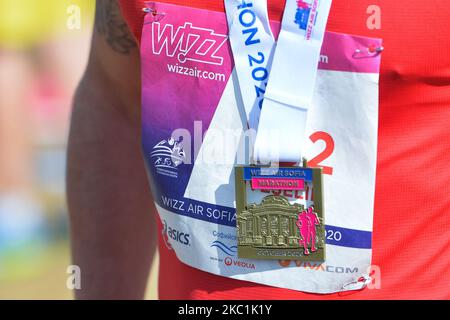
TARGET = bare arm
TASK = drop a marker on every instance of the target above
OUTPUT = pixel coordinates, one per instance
(111, 209)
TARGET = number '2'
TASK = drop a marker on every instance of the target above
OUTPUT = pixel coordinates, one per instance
(325, 154)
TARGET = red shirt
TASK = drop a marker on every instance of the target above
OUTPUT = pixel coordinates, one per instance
(413, 174)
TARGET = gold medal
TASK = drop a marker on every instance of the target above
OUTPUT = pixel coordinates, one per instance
(280, 213)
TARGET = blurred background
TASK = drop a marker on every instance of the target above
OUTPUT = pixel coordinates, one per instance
(44, 47)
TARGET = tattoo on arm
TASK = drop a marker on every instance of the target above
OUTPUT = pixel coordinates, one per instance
(110, 24)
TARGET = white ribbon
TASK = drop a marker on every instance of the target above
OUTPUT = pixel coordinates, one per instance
(287, 96)
(252, 43)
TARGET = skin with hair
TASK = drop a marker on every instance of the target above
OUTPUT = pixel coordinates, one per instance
(111, 207)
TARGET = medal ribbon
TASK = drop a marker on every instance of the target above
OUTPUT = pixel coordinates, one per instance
(252, 43)
(277, 84)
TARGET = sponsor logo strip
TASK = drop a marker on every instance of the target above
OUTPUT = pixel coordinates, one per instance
(227, 216)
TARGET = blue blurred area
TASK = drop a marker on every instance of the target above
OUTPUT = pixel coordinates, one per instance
(22, 224)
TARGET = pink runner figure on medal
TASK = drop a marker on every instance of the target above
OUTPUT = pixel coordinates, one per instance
(303, 223)
(314, 221)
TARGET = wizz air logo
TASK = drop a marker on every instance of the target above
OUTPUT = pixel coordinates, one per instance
(188, 43)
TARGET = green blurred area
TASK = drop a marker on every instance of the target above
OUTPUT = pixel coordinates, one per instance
(41, 275)
(37, 273)
(38, 269)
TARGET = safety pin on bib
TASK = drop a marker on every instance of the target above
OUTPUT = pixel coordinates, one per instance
(369, 52)
(157, 15)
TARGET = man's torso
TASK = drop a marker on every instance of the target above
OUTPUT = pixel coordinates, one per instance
(414, 140)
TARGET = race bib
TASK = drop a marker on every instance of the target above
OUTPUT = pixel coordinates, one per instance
(195, 128)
